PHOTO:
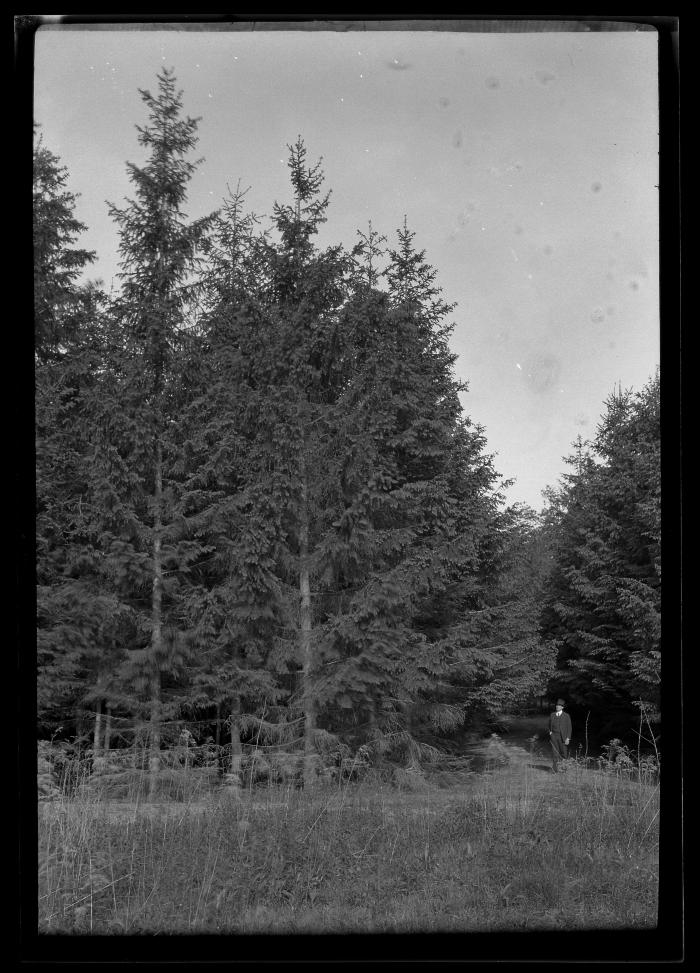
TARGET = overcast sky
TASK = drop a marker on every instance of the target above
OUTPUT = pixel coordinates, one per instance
(527, 164)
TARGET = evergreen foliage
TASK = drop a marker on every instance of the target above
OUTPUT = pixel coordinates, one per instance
(132, 418)
(61, 306)
(65, 318)
(354, 496)
(602, 607)
(260, 501)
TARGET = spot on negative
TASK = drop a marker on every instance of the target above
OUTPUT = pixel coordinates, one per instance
(492, 82)
(544, 77)
(597, 315)
(543, 372)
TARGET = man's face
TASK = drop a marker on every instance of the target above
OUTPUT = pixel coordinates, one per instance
(559, 708)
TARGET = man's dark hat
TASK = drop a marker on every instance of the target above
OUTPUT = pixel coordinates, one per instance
(560, 702)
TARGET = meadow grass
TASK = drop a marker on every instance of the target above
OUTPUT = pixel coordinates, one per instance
(515, 848)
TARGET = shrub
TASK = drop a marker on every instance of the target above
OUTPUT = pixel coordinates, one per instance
(619, 759)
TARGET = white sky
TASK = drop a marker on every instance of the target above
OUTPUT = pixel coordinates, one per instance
(527, 164)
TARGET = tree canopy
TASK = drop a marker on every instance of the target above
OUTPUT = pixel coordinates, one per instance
(260, 502)
(602, 608)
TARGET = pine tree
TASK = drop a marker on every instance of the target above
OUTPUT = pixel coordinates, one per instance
(445, 489)
(230, 606)
(408, 496)
(378, 491)
(515, 663)
(134, 416)
(60, 303)
(602, 611)
(295, 366)
(66, 315)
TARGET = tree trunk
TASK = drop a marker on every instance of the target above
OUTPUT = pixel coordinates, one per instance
(79, 727)
(305, 629)
(108, 729)
(408, 717)
(371, 718)
(97, 733)
(156, 626)
(236, 749)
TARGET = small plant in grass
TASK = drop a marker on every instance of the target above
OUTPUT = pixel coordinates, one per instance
(618, 758)
(568, 765)
(352, 766)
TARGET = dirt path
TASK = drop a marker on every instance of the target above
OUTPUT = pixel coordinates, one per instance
(526, 730)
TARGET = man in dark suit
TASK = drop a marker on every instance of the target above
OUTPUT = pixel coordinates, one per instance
(559, 734)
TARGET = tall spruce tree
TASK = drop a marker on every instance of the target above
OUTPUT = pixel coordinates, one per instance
(602, 607)
(61, 305)
(66, 321)
(444, 493)
(134, 415)
(231, 605)
(292, 378)
(514, 663)
(364, 499)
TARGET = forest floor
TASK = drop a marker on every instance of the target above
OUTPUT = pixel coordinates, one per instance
(519, 755)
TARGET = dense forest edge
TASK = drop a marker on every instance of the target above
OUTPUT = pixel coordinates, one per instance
(269, 540)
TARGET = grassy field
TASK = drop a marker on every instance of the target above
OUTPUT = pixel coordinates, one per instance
(513, 848)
